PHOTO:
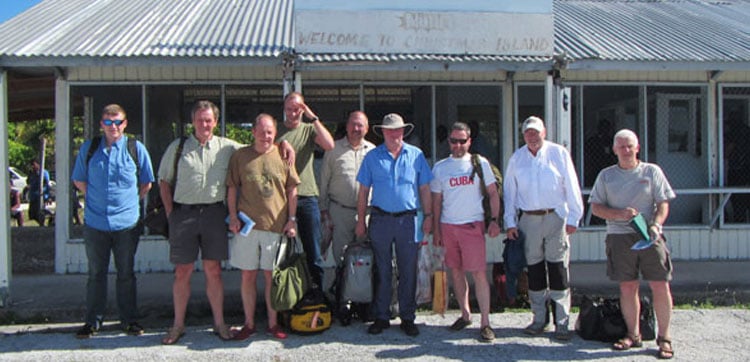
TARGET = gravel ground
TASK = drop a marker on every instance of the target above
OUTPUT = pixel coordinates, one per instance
(699, 335)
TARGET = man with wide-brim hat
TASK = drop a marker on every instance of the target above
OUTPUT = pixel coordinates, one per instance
(393, 121)
(399, 177)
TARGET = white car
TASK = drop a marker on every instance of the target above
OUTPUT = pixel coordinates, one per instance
(18, 179)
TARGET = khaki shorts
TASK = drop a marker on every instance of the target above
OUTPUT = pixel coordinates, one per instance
(255, 251)
(624, 264)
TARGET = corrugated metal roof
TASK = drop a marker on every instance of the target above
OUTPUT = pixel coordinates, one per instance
(653, 30)
(144, 28)
(607, 30)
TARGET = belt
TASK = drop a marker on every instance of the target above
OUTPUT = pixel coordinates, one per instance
(395, 214)
(344, 206)
(178, 205)
(539, 212)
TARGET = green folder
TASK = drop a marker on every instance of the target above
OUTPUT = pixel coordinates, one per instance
(639, 224)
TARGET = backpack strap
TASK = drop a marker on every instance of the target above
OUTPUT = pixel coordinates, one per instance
(177, 156)
(477, 170)
(95, 142)
(133, 151)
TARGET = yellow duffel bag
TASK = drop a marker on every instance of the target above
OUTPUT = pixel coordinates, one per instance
(311, 315)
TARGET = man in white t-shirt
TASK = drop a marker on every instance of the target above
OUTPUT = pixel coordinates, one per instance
(459, 224)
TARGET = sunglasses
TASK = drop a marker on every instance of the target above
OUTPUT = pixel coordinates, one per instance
(456, 140)
(116, 122)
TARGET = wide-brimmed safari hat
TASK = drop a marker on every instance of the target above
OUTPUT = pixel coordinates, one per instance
(393, 121)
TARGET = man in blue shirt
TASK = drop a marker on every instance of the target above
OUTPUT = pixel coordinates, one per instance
(399, 177)
(113, 182)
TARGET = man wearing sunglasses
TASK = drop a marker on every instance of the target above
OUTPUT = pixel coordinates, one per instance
(113, 183)
(459, 224)
(541, 185)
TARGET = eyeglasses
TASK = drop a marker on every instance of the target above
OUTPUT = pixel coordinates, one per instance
(116, 122)
(456, 140)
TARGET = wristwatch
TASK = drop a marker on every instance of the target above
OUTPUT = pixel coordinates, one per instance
(293, 219)
(314, 119)
(658, 227)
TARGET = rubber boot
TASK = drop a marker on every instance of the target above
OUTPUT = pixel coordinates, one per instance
(539, 309)
(561, 301)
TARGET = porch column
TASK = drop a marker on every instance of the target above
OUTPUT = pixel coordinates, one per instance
(5, 253)
(62, 172)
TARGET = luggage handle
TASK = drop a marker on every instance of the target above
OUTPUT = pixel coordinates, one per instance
(288, 248)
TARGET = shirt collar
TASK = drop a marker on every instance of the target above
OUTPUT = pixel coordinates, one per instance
(117, 144)
(210, 144)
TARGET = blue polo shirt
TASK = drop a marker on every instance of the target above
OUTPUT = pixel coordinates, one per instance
(395, 182)
(112, 191)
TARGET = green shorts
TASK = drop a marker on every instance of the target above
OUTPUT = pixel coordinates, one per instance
(624, 264)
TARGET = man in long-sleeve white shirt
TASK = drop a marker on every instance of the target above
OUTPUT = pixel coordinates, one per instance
(541, 185)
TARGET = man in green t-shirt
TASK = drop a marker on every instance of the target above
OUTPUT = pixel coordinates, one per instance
(303, 136)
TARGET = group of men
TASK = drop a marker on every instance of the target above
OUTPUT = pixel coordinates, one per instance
(366, 191)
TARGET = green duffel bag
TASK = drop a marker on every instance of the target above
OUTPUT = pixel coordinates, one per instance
(290, 279)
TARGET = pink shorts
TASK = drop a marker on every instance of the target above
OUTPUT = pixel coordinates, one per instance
(464, 246)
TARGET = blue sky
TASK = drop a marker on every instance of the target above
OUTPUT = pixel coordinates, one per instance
(11, 8)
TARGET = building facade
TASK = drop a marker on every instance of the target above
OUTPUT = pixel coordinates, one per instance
(676, 72)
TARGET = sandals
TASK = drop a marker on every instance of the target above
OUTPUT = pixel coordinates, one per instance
(460, 324)
(627, 343)
(223, 332)
(173, 335)
(665, 348)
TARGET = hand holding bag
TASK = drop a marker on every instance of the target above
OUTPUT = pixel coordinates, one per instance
(290, 277)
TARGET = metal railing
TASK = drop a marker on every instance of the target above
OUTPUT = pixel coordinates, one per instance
(716, 215)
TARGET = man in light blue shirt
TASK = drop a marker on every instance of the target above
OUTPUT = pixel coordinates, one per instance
(113, 180)
(399, 177)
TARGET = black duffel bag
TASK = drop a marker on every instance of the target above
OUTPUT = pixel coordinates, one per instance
(600, 319)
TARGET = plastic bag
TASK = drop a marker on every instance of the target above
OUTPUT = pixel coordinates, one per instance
(440, 295)
(424, 272)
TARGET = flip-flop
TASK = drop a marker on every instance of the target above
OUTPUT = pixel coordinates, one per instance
(173, 335)
(224, 333)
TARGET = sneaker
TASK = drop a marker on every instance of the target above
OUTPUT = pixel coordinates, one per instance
(244, 333)
(562, 333)
(409, 328)
(378, 326)
(486, 334)
(534, 329)
(276, 332)
(134, 329)
(86, 331)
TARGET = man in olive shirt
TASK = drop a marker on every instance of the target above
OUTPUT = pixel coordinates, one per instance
(338, 181)
(196, 213)
(303, 136)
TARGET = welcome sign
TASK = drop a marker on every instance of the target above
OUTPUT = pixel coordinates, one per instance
(425, 27)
